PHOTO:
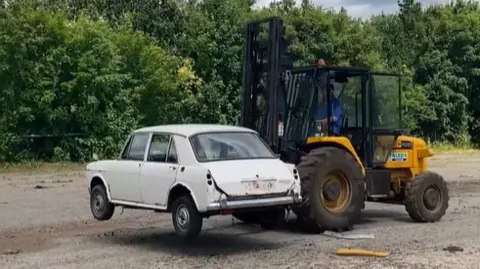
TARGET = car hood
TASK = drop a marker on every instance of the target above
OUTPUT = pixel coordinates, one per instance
(251, 177)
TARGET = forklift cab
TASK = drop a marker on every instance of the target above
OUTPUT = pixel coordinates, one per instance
(280, 102)
(370, 108)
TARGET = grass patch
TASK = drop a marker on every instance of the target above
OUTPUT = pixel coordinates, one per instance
(448, 148)
(40, 167)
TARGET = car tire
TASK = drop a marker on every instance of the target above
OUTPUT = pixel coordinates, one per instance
(272, 219)
(426, 197)
(246, 217)
(339, 208)
(187, 221)
(100, 206)
(268, 219)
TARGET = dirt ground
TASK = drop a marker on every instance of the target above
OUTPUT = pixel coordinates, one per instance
(45, 222)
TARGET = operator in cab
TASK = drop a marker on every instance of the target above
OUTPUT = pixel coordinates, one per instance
(336, 112)
(336, 106)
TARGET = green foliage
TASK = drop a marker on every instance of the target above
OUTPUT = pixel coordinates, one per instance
(60, 77)
(99, 68)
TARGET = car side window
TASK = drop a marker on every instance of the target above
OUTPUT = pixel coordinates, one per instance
(124, 155)
(138, 147)
(172, 152)
(158, 148)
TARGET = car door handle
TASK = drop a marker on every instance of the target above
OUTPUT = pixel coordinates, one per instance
(172, 168)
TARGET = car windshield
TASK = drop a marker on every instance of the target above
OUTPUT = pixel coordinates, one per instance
(229, 146)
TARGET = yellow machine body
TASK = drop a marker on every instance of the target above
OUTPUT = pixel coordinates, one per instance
(412, 161)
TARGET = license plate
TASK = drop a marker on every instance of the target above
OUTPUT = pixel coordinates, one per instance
(398, 157)
(255, 186)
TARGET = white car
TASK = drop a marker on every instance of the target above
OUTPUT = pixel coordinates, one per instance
(195, 171)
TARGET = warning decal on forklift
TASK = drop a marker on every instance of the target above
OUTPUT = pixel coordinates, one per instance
(398, 157)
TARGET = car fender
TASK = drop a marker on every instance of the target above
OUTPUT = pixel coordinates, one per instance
(192, 193)
(194, 178)
(107, 187)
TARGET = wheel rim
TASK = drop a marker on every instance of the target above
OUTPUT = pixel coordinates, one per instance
(98, 204)
(336, 192)
(183, 217)
(432, 198)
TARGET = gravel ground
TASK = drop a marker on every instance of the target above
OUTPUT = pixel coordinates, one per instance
(45, 222)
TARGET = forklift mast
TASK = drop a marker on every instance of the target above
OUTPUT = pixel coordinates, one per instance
(264, 105)
(278, 101)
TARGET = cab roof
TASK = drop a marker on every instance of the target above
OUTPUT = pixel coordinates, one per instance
(192, 129)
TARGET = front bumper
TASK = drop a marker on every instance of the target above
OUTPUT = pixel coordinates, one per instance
(223, 203)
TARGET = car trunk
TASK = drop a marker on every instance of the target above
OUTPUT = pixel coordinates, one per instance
(251, 177)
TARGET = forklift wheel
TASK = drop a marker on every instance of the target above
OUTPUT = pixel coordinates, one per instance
(333, 188)
(426, 197)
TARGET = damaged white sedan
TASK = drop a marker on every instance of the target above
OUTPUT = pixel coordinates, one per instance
(195, 171)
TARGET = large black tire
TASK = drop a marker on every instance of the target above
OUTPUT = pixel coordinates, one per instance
(101, 208)
(310, 226)
(314, 169)
(417, 193)
(186, 219)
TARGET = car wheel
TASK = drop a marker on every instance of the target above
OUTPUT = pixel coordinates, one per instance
(268, 219)
(272, 219)
(187, 221)
(101, 208)
(246, 217)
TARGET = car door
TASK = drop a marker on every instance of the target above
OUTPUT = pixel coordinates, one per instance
(125, 178)
(159, 171)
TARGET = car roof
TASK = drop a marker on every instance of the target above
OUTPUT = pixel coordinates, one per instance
(192, 129)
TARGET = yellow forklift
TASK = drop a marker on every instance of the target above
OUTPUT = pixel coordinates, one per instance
(342, 128)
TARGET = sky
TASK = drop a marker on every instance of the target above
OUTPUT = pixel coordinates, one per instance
(362, 8)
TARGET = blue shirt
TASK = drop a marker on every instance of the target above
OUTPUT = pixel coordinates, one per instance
(336, 112)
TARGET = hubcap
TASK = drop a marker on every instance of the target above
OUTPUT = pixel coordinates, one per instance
(432, 198)
(98, 203)
(183, 217)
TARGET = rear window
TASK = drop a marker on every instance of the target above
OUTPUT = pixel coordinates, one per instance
(229, 146)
